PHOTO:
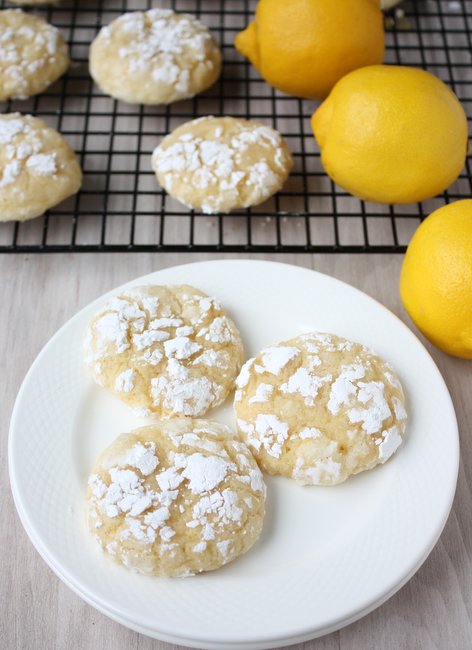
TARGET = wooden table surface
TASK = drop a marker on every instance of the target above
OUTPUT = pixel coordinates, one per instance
(38, 612)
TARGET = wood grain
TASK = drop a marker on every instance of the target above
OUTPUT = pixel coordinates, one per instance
(38, 294)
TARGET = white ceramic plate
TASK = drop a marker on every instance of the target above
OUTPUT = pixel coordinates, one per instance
(326, 557)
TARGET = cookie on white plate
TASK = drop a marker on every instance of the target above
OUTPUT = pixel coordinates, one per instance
(33, 54)
(219, 164)
(176, 498)
(165, 350)
(319, 408)
(38, 169)
(154, 57)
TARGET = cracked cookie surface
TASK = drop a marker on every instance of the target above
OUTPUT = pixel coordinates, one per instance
(38, 169)
(176, 498)
(319, 408)
(33, 54)
(219, 164)
(165, 350)
(154, 57)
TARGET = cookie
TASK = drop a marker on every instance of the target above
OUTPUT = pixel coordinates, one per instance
(176, 498)
(154, 57)
(218, 164)
(319, 408)
(33, 54)
(38, 169)
(165, 350)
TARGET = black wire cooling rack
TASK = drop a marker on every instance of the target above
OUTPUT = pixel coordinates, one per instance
(122, 208)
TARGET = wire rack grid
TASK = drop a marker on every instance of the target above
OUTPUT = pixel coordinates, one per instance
(122, 208)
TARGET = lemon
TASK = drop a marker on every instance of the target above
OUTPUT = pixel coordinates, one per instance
(392, 134)
(436, 278)
(303, 47)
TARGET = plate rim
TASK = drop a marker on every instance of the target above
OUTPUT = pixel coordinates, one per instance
(262, 641)
(215, 644)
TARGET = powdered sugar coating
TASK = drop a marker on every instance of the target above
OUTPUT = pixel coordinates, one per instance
(38, 169)
(33, 54)
(170, 350)
(319, 408)
(154, 57)
(218, 164)
(176, 498)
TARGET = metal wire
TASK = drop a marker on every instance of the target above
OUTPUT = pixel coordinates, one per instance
(122, 208)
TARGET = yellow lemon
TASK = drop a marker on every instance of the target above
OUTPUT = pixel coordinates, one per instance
(303, 47)
(436, 278)
(392, 134)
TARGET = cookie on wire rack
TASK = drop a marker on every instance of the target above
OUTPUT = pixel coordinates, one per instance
(154, 57)
(38, 169)
(33, 55)
(219, 164)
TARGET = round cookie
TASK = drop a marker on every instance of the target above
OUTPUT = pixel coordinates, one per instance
(33, 54)
(165, 350)
(319, 408)
(176, 498)
(154, 57)
(38, 169)
(218, 164)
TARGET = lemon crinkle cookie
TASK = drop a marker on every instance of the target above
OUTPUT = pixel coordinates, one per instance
(165, 350)
(218, 164)
(154, 57)
(38, 169)
(176, 498)
(319, 408)
(33, 54)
